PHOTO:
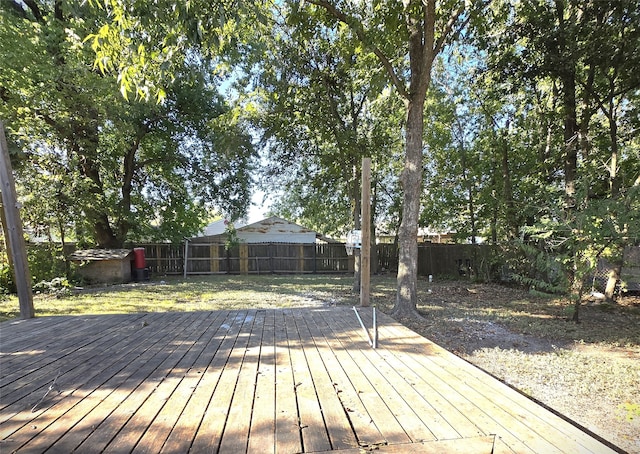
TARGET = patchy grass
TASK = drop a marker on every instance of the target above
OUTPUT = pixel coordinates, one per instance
(455, 305)
(191, 294)
(590, 372)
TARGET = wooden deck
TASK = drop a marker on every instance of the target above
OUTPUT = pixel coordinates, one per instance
(259, 381)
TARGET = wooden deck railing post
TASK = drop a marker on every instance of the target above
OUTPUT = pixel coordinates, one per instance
(15, 234)
(301, 258)
(365, 251)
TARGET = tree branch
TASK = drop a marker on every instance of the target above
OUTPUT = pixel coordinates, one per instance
(34, 8)
(449, 27)
(356, 26)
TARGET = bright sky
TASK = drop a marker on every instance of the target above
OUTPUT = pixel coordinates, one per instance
(258, 210)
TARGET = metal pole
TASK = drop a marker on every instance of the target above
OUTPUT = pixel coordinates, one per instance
(375, 329)
(363, 327)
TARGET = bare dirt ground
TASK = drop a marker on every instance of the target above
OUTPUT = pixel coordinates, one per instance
(589, 372)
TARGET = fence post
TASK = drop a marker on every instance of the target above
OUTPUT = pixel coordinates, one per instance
(186, 257)
(244, 258)
(315, 253)
(301, 258)
(214, 263)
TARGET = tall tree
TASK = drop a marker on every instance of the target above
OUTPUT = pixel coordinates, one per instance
(405, 38)
(320, 111)
(123, 170)
(575, 54)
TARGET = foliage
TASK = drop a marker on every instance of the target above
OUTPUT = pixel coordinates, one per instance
(145, 44)
(7, 285)
(550, 116)
(46, 262)
(231, 236)
(315, 136)
(59, 287)
(115, 170)
(515, 122)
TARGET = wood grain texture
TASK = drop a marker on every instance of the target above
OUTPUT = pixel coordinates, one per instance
(257, 381)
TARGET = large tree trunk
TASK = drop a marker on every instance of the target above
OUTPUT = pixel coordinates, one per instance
(420, 17)
(567, 76)
(407, 296)
(614, 191)
(422, 52)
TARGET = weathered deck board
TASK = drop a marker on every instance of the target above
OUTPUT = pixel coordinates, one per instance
(258, 381)
(262, 431)
(287, 428)
(313, 430)
(337, 424)
(79, 388)
(220, 348)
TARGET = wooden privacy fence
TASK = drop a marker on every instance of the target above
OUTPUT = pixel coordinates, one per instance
(259, 258)
(454, 260)
(451, 260)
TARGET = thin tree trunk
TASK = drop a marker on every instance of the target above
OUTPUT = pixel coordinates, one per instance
(614, 191)
(507, 191)
(374, 248)
(612, 281)
(469, 187)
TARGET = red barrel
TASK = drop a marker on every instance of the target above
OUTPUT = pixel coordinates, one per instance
(138, 258)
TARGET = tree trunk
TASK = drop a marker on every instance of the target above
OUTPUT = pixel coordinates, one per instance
(570, 140)
(614, 191)
(612, 280)
(374, 210)
(422, 52)
(567, 76)
(424, 45)
(406, 296)
(507, 190)
(374, 248)
(493, 224)
(468, 183)
(577, 290)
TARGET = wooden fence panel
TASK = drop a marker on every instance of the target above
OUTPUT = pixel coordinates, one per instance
(164, 258)
(454, 260)
(387, 257)
(332, 258)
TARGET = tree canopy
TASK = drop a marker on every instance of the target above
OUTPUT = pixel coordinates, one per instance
(105, 169)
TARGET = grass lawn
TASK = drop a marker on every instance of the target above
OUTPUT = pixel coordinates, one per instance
(447, 306)
(192, 294)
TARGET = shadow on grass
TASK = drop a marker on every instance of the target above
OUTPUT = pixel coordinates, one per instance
(464, 317)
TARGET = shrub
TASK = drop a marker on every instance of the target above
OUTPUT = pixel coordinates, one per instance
(58, 286)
